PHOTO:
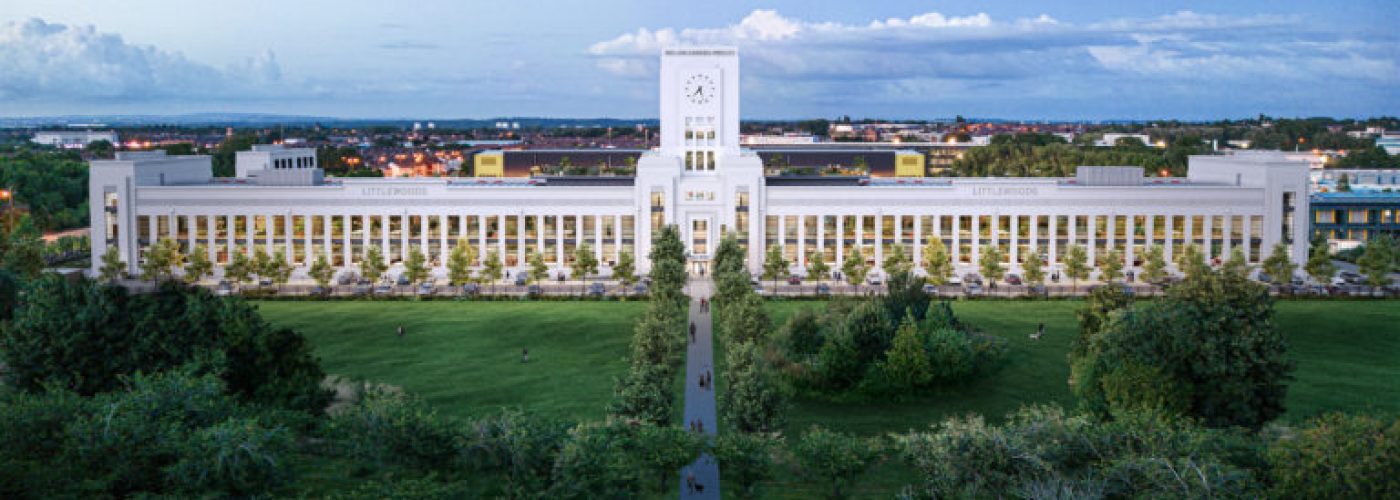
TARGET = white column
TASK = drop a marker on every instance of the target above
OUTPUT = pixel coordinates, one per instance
(481, 236)
(248, 228)
(423, 236)
(1206, 235)
(288, 239)
(405, 225)
(598, 238)
(539, 234)
(879, 240)
(307, 224)
(840, 240)
(1112, 234)
(860, 231)
(559, 241)
(1190, 230)
(976, 239)
(384, 239)
(1093, 240)
(1246, 241)
(211, 235)
(345, 243)
(520, 238)
(364, 220)
(1035, 234)
(330, 231)
(1015, 237)
(501, 236)
(1168, 236)
(782, 235)
(192, 231)
(1053, 225)
(801, 241)
(918, 242)
(442, 235)
(617, 238)
(1149, 235)
(1129, 241)
(957, 238)
(1225, 242)
(821, 237)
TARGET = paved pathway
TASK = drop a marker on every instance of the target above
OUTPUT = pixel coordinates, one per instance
(700, 404)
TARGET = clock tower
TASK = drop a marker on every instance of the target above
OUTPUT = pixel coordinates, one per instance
(699, 179)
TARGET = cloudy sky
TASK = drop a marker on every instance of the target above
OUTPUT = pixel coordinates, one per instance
(800, 58)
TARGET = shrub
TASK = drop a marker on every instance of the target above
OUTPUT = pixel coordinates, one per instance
(234, 457)
(1339, 456)
(383, 428)
(33, 438)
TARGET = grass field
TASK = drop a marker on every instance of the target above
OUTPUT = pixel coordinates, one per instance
(1346, 353)
(464, 357)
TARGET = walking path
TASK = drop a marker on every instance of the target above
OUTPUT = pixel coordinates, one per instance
(700, 404)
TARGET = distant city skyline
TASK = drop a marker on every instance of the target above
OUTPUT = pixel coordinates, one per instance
(1017, 60)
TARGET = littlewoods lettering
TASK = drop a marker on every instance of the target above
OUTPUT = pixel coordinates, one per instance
(1003, 191)
(394, 191)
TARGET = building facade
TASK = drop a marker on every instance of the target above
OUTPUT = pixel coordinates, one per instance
(73, 139)
(701, 180)
(1349, 219)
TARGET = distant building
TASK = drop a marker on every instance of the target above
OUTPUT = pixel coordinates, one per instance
(73, 139)
(1360, 179)
(1390, 142)
(785, 139)
(1111, 139)
(1350, 219)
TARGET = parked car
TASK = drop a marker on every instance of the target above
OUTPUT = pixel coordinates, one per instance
(930, 289)
(873, 279)
(225, 288)
(640, 289)
(383, 289)
(758, 289)
(520, 279)
(426, 288)
(823, 289)
(1351, 278)
(471, 289)
(265, 282)
(794, 280)
(973, 289)
(972, 279)
(596, 289)
(954, 280)
(362, 289)
(403, 280)
(346, 278)
(1012, 279)
(534, 290)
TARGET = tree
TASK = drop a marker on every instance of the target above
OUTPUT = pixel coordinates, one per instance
(1278, 265)
(1034, 267)
(156, 262)
(625, 271)
(278, 269)
(1319, 265)
(1338, 456)
(1208, 350)
(459, 264)
(239, 268)
(1154, 266)
(1111, 266)
(585, 263)
(897, 261)
(774, 265)
(1236, 265)
(752, 401)
(100, 148)
(667, 255)
(416, 266)
(1076, 264)
(492, 269)
(538, 271)
(937, 262)
(663, 450)
(373, 266)
(322, 272)
(854, 268)
(198, 265)
(745, 320)
(840, 459)
(747, 459)
(991, 264)
(906, 364)
(112, 266)
(644, 394)
(729, 257)
(1191, 261)
(262, 265)
(1377, 260)
(817, 268)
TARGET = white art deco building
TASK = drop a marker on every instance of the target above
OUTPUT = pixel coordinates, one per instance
(703, 181)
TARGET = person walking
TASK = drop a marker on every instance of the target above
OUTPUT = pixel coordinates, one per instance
(702, 382)
(400, 331)
(692, 332)
(690, 481)
(525, 355)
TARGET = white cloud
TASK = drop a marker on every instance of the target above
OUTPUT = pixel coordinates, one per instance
(40, 60)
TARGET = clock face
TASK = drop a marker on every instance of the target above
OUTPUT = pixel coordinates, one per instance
(699, 89)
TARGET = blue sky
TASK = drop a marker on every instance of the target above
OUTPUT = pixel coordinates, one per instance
(898, 59)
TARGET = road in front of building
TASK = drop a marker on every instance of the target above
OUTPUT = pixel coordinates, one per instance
(700, 403)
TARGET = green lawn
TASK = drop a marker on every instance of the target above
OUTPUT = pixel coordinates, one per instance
(1346, 351)
(464, 357)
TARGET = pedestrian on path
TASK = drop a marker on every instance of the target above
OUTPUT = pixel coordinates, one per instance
(702, 382)
(525, 355)
(690, 481)
(400, 331)
(692, 332)
(709, 381)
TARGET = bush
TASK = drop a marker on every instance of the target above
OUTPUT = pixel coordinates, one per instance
(1339, 456)
(383, 428)
(33, 439)
(234, 457)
